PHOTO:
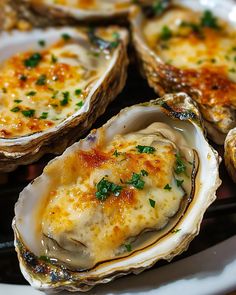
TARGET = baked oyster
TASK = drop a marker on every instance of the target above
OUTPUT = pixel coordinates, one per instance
(190, 46)
(54, 83)
(85, 10)
(131, 193)
(230, 153)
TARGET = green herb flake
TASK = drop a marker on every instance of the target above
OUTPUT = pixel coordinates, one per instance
(78, 91)
(33, 60)
(235, 59)
(159, 6)
(28, 113)
(17, 100)
(116, 153)
(152, 203)
(44, 115)
(41, 80)
(194, 27)
(15, 109)
(166, 33)
(179, 182)
(232, 70)
(174, 231)
(180, 166)
(53, 59)
(31, 93)
(128, 247)
(23, 77)
(209, 20)
(41, 43)
(80, 104)
(105, 188)
(66, 36)
(167, 187)
(137, 181)
(65, 100)
(145, 149)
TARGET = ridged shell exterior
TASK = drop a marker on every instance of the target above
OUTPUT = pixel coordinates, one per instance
(164, 78)
(28, 149)
(230, 153)
(175, 108)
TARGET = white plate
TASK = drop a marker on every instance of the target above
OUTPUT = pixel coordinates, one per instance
(212, 271)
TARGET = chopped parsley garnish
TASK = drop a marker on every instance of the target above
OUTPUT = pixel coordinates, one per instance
(66, 36)
(115, 43)
(41, 43)
(152, 203)
(166, 33)
(232, 70)
(180, 166)
(33, 60)
(53, 59)
(17, 100)
(159, 6)
(78, 91)
(105, 188)
(41, 80)
(194, 27)
(23, 77)
(116, 154)
(179, 182)
(28, 113)
(15, 109)
(167, 187)
(80, 104)
(128, 247)
(209, 20)
(174, 231)
(44, 115)
(31, 93)
(137, 181)
(65, 100)
(145, 149)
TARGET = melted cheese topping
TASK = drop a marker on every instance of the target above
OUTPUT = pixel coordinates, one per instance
(81, 229)
(40, 89)
(206, 55)
(96, 5)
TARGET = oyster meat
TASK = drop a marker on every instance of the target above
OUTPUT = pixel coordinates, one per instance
(230, 153)
(190, 46)
(131, 193)
(53, 85)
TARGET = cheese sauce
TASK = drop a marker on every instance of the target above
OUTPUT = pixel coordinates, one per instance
(115, 192)
(40, 89)
(202, 47)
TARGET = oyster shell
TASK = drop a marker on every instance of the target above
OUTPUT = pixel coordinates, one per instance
(190, 47)
(230, 153)
(85, 10)
(131, 193)
(53, 91)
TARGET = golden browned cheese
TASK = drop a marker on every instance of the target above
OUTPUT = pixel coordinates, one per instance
(41, 88)
(202, 57)
(74, 216)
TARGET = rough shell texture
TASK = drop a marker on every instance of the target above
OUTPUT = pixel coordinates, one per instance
(25, 150)
(165, 78)
(230, 153)
(174, 109)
